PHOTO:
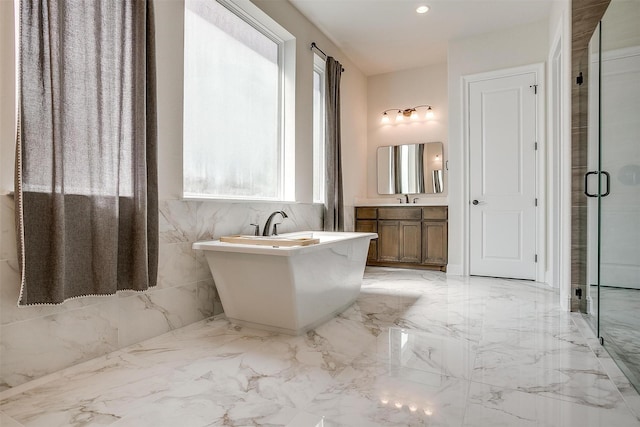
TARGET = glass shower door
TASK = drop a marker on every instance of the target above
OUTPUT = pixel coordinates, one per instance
(592, 188)
(619, 193)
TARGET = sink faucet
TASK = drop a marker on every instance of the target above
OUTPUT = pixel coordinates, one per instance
(267, 227)
(406, 198)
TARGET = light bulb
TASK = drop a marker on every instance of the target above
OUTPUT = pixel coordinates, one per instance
(385, 119)
(399, 116)
(429, 114)
(414, 115)
(413, 408)
(398, 405)
(422, 9)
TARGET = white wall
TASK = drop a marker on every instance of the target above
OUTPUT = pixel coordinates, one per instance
(522, 45)
(170, 73)
(406, 89)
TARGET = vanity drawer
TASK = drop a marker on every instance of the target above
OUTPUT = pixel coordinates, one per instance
(366, 213)
(435, 213)
(400, 213)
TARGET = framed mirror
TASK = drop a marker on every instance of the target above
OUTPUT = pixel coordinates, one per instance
(410, 169)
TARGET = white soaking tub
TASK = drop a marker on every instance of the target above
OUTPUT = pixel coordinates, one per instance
(288, 289)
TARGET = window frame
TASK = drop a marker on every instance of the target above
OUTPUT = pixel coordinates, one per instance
(266, 26)
(319, 144)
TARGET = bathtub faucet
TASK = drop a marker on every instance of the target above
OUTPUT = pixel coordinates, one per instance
(267, 227)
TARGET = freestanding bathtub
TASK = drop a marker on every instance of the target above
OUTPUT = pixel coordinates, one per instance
(288, 289)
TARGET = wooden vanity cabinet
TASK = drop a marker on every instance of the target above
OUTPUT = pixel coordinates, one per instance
(369, 226)
(434, 235)
(408, 236)
(399, 241)
(366, 222)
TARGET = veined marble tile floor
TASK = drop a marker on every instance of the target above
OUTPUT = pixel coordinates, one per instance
(417, 348)
(620, 326)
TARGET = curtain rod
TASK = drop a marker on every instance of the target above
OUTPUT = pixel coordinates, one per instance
(315, 46)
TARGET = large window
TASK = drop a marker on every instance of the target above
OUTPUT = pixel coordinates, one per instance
(318, 129)
(233, 103)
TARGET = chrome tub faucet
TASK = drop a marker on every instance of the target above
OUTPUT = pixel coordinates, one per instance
(267, 227)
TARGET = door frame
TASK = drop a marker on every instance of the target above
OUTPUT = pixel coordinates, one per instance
(559, 163)
(554, 158)
(540, 180)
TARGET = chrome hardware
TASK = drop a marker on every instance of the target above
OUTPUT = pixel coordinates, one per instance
(586, 183)
(606, 174)
(256, 230)
(267, 227)
(607, 183)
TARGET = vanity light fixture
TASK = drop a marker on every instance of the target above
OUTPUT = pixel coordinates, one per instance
(429, 114)
(408, 113)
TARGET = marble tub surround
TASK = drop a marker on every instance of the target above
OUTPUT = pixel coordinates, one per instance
(40, 340)
(416, 348)
(183, 221)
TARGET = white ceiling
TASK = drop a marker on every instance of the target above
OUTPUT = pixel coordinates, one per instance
(382, 36)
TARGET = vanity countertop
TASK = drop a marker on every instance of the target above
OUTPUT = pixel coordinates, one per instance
(382, 205)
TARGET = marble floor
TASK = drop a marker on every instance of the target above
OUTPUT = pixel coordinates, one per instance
(620, 327)
(417, 348)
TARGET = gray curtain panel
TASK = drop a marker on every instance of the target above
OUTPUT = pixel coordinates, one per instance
(334, 205)
(86, 184)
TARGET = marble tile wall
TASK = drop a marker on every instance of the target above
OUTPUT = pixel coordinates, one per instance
(36, 341)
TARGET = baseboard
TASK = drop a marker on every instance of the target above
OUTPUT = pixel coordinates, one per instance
(407, 265)
(454, 270)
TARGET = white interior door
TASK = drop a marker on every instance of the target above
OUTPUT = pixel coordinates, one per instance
(502, 171)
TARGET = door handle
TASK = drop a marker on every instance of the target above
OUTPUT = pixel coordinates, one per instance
(586, 183)
(475, 202)
(608, 181)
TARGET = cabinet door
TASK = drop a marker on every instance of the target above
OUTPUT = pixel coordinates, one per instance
(388, 240)
(366, 213)
(434, 242)
(410, 241)
(369, 226)
(400, 213)
(435, 213)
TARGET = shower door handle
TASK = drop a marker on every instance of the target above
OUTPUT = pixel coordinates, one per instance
(586, 183)
(608, 181)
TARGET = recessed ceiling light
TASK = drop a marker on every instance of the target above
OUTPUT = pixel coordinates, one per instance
(422, 9)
